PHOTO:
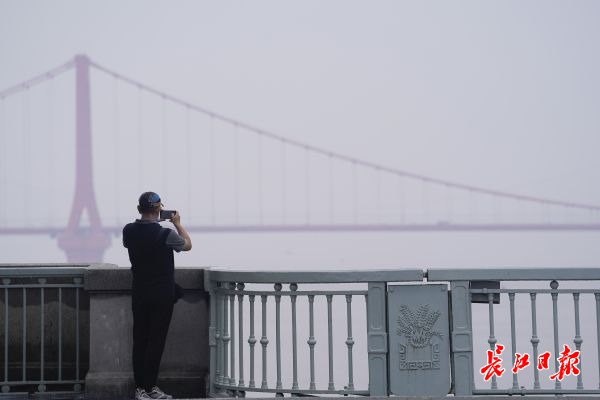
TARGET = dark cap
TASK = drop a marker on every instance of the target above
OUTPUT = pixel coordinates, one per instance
(148, 200)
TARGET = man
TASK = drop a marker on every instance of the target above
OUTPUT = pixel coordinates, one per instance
(154, 291)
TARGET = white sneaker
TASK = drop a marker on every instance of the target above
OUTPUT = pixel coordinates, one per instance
(156, 393)
(141, 394)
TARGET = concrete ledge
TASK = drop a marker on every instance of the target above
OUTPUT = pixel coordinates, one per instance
(185, 361)
(109, 277)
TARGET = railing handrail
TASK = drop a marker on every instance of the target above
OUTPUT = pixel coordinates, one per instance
(27, 271)
(402, 275)
(306, 276)
(45, 265)
(512, 274)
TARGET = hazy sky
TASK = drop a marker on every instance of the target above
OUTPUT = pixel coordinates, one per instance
(498, 94)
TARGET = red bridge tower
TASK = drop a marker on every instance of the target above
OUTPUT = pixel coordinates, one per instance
(83, 244)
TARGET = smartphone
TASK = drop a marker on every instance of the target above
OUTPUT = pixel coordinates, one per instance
(166, 214)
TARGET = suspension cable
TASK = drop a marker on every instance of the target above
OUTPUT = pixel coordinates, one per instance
(29, 83)
(212, 170)
(283, 183)
(307, 183)
(3, 162)
(140, 140)
(27, 152)
(188, 158)
(164, 144)
(259, 168)
(236, 174)
(51, 166)
(341, 157)
(354, 192)
(116, 144)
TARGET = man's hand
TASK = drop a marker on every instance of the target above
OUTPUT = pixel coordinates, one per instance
(176, 220)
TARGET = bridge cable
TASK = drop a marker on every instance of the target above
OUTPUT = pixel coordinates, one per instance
(473, 208)
(331, 181)
(3, 162)
(401, 200)
(51, 164)
(448, 203)
(378, 195)
(283, 183)
(339, 156)
(260, 178)
(188, 160)
(27, 152)
(164, 146)
(497, 209)
(116, 145)
(212, 169)
(236, 173)
(355, 192)
(306, 184)
(140, 137)
(425, 201)
(29, 83)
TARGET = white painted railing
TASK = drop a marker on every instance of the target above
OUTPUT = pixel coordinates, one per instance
(277, 311)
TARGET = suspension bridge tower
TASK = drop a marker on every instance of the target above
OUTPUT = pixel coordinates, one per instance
(83, 243)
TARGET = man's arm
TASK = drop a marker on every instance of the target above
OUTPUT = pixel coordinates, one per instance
(176, 220)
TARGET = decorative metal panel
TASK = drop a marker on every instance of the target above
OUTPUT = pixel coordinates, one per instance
(419, 341)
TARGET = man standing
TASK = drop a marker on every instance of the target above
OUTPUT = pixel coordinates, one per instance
(154, 291)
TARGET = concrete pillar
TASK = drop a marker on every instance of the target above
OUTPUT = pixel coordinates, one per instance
(462, 339)
(377, 339)
(185, 361)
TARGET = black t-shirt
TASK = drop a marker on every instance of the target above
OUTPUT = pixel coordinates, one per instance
(150, 248)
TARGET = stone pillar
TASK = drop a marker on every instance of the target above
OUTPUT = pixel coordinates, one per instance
(377, 339)
(462, 339)
(185, 361)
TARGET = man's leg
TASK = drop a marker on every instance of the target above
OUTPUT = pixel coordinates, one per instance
(159, 326)
(142, 321)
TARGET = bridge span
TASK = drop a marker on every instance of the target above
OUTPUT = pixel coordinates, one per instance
(230, 175)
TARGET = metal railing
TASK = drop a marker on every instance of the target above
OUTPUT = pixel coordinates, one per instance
(350, 308)
(234, 335)
(532, 304)
(45, 336)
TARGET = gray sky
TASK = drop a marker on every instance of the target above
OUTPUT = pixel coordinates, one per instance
(496, 94)
(501, 95)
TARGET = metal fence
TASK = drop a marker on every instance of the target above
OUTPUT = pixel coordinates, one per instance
(260, 322)
(537, 312)
(45, 320)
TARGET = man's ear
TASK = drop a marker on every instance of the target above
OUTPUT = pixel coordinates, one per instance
(139, 209)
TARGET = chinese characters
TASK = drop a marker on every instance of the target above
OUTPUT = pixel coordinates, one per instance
(568, 362)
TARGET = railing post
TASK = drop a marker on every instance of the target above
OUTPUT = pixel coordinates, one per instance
(240, 288)
(554, 295)
(232, 287)
(212, 339)
(462, 339)
(293, 288)
(251, 341)
(311, 339)
(377, 338)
